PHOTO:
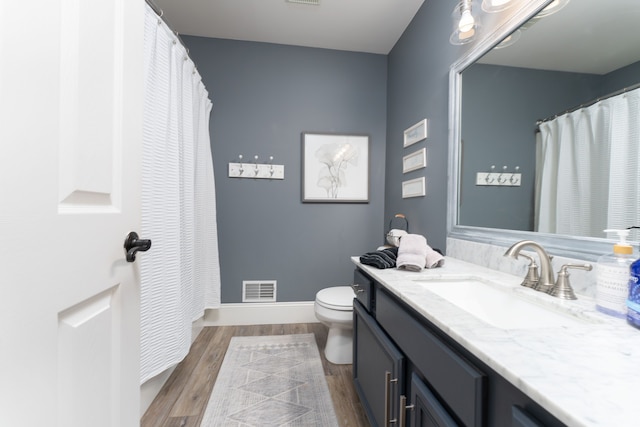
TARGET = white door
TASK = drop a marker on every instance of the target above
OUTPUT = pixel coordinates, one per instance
(70, 142)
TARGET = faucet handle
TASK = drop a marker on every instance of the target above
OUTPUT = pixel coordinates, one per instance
(562, 288)
(533, 277)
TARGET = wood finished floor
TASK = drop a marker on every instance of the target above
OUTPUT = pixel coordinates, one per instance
(183, 399)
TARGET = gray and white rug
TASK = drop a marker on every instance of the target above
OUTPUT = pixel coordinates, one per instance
(271, 381)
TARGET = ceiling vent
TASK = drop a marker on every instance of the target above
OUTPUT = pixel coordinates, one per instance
(313, 2)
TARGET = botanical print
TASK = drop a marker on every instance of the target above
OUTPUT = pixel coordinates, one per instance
(335, 168)
(335, 159)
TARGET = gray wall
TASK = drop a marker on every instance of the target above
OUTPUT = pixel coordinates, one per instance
(621, 78)
(419, 88)
(264, 96)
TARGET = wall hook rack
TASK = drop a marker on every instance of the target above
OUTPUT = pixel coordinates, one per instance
(255, 169)
(503, 178)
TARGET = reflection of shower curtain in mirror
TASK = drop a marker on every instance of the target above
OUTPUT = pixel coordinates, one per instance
(588, 171)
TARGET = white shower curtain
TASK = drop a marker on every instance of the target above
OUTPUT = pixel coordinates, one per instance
(587, 176)
(180, 275)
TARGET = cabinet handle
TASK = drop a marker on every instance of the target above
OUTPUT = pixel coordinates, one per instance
(357, 288)
(403, 411)
(387, 398)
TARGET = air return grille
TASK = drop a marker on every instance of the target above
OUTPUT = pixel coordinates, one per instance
(313, 2)
(258, 291)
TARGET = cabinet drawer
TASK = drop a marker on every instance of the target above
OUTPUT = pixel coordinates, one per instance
(459, 385)
(363, 287)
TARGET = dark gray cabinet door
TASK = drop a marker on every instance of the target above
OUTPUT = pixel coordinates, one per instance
(374, 355)
(520, 418)
(427, 410)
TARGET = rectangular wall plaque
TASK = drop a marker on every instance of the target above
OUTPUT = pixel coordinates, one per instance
(415, 133)
(415, 160)
(414, 188)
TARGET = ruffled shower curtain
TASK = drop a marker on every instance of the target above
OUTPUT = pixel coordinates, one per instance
(180, 275)
(588, 175)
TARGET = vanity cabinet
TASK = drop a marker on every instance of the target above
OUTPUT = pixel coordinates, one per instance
(520, 418)
(378, 368)
(402, 360)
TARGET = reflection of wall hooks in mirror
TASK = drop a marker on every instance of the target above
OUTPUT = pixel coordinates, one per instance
(504, 178)
(516, 176)
(260, 170)
(240, 169)
(490, 176)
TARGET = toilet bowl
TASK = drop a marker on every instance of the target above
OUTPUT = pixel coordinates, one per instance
(334, 308)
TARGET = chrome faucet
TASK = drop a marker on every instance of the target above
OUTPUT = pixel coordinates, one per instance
(545, 281)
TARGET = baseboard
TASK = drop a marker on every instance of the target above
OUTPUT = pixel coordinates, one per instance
(261, 314)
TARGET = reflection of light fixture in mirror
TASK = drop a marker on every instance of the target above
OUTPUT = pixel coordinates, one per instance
(497, 5)
(552, 8)
(509, 40)
(464, 24)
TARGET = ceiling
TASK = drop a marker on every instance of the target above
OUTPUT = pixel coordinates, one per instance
(586, 36)
(372, 26)
(589, 36)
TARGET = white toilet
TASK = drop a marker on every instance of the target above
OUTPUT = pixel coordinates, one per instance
(334, 308)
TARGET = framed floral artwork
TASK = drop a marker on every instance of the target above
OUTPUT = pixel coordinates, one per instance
(335, 168)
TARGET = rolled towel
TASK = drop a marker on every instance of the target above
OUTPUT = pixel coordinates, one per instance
(412, 252)
(394, 235)
(385, 258)
(434, 258)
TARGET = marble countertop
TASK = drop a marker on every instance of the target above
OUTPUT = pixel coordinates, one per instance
(584, 374)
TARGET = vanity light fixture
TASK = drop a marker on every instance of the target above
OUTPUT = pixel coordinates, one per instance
(509, 40)
(465, 25)
(552, 8)
(492, 6)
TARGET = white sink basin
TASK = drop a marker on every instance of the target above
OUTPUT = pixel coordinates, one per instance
(501, 307)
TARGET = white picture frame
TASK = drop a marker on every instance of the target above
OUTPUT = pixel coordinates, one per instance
(414, 188)
(415, 133)
(335, 168)
(414, 161)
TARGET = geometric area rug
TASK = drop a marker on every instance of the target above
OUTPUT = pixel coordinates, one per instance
(271, 381)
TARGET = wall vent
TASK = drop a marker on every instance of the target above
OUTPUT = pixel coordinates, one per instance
(313, 2)
(258, 291)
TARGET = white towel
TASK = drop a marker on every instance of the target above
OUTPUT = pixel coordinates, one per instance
(433, 259)
(412, 252)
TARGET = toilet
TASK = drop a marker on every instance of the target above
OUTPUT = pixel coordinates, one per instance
(334, 308)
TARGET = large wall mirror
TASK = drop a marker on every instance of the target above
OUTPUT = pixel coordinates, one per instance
(542, 97)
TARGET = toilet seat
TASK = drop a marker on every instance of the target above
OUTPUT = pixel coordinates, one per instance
(338, 298)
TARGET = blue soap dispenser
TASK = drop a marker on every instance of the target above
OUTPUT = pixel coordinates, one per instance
(633, 302)
(612, 277)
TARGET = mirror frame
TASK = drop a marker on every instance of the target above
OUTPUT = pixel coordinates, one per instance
(586, 248)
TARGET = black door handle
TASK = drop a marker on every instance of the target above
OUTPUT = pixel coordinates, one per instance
(133, 244)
